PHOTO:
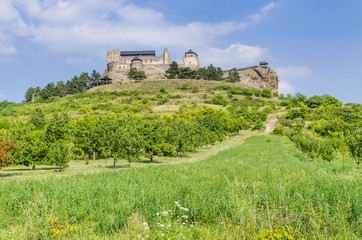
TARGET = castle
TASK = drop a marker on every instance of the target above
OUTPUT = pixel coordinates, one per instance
(120, 62)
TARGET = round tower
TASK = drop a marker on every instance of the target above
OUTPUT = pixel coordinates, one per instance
(136, 62)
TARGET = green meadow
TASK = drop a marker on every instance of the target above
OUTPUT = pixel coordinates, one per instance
(261, 189)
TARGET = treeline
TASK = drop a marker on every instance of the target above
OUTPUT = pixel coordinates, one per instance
(321, 127)
(123, 136)
(206, 73)
(77, 84)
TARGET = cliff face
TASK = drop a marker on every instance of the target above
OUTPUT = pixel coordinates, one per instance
(257, 77)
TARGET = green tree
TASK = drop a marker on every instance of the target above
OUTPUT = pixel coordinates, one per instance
(87, 136)
(32, 148)
(136, 74)
(37, 118)
(59, 154)
(95, 78)
(31, 93)
(354, 142)
(48, 91)
(266, 92)
(186, 73)
(234, 75)
(173, 71)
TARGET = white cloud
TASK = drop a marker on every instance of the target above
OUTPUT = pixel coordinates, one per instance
(80, 28)
(293, 72)
(236, 55)
(289, 75)
(285, 87)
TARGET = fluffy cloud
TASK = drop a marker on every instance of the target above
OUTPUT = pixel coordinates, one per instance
(71, 28)
(236, 55)
(290, 75)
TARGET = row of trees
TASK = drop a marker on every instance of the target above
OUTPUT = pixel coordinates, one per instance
(326, 149)
(121, 136)
(206, 73)
(77, 84)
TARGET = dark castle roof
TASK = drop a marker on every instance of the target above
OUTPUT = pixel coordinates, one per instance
(106, 78)
(136, 59)
(150, 53)
(190, 52)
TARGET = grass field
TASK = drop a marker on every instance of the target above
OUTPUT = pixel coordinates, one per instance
(257, 189)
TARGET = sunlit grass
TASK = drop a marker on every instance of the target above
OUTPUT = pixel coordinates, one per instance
(253, 189)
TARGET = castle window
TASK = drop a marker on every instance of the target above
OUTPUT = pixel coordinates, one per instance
(145, 61)
(150, 61)
(163, 61)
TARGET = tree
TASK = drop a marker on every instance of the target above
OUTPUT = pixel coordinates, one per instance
(48, 91)
(186, 73)
(136, 74)
(31, 93)
(32, 148)
(234, 75)
(153, 137)
(87, 135)
(354, 142)
(266, 92)
(173, 71)
(327, 151)
(37, 118)
(59, 154)
(5, 156)
(95, 78)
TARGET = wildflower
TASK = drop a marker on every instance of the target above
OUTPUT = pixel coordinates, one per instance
(157, 214)
(165, 213)
(162, 225)
(162, 235)
(186, 209)
(145, 224)
(185, 217)
(55, 221)
(176, 203)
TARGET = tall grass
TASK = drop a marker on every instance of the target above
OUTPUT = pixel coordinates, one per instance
(252, 191)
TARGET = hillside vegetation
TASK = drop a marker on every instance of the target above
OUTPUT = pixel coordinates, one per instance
(145, 160)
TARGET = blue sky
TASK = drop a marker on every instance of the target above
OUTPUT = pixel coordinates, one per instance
(314, 46)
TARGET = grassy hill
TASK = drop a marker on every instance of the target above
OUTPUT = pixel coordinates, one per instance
(241, 186)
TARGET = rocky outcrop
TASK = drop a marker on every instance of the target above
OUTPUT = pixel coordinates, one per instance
(258, 77)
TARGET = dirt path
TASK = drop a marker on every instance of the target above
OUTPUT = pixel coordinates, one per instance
(270, 125)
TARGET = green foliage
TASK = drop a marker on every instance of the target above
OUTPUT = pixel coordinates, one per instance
(59, 154)
(267, 93)
(234, 75)
(37, 118)
(173, 71)
(136, 74)
(354, 142)
(219, 99)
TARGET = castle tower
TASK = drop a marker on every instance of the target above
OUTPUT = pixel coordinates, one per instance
(136, 62)
(191, 60)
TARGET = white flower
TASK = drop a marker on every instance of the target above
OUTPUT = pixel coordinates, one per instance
(176, 203)
(147, 227)
(157, 214)
(162, 235)
(186, 209)
(185, 217)
(161, 225)
(165, 213)
(145, 224)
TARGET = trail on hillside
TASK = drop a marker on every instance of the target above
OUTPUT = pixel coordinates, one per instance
(270, 125)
